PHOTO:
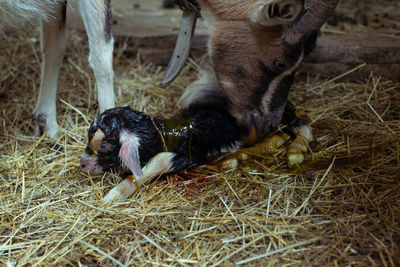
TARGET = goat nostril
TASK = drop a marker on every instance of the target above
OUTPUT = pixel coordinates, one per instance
(83, 165)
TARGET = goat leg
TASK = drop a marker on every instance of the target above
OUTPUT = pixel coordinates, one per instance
(160, 164)
(52, 37)
(96, 15)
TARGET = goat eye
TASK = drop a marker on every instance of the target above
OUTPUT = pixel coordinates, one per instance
(280, 65)
(105, 147)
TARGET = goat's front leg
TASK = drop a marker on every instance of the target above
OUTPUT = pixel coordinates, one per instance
(52, 39)
(302, 137)
(295, 148)
(96, 15)
(160, 164)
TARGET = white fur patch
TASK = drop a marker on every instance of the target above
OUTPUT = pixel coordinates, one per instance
(305, 131)
(129, 152)
(13, 12)
(158, 165)
(198, 90)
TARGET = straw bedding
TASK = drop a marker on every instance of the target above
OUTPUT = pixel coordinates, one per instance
(340, 208)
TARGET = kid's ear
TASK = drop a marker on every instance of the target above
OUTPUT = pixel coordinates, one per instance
(129, 153)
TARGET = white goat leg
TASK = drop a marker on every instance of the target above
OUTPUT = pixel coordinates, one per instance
(158, 165)
(96, 15)
(53, 49)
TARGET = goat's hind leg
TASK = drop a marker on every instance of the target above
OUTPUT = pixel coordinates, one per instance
(96, 15)
(53, 48)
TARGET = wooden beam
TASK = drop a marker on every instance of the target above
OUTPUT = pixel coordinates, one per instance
(334, 54)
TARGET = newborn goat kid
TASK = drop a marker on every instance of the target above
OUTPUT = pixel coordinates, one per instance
(159, 146)
(149, 147)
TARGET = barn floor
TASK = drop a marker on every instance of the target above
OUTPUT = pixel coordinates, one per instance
(341, 207)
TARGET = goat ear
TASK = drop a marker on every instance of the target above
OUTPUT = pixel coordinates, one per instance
(129, 153)
(276, 12)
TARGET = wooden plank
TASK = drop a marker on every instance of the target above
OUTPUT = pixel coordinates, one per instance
(356, 47)
(337, 53)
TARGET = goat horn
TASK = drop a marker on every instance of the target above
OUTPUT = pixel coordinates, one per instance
(182, 47)
(316, 16)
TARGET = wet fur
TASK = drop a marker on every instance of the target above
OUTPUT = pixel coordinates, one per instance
(213, 130)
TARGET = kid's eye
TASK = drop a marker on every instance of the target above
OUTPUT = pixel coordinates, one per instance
(105, 147)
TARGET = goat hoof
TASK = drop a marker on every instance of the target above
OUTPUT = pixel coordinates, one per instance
(295, 151)
(122, 191)
(44, 125)
(228, 164)
(41, 120)
(295, 159)
(273, 143)
(243, 156)
(296, 148)
(112, 196)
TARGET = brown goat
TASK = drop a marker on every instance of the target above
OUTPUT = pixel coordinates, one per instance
(254, 50)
